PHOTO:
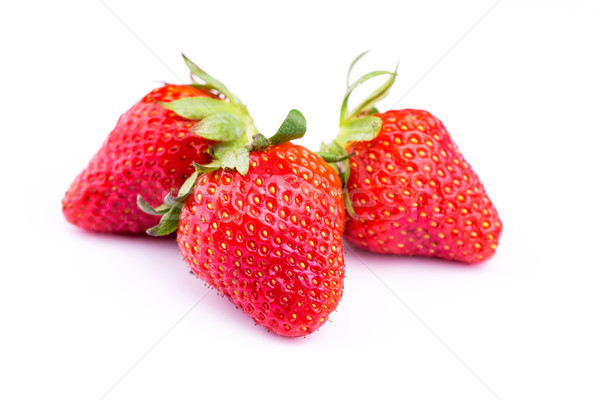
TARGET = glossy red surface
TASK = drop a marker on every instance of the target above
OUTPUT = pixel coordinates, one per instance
(270, 241)
(414, 193)
(149, 152)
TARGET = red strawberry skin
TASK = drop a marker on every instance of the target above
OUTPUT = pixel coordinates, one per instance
(270, 241)
(149, 152)
(414, 193)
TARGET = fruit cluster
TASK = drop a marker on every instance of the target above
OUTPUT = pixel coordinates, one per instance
(261, 219)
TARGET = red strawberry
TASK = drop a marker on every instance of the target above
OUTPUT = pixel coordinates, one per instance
(149, 152)
(411, 190)
(269, 236)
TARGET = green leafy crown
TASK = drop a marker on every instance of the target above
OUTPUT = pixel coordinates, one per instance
(360, 124)
(227, 122)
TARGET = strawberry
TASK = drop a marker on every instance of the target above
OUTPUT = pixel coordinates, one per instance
(408, 189)
(150, 152)
(265, 231)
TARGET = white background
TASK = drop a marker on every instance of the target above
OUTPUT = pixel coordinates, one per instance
(88, 316)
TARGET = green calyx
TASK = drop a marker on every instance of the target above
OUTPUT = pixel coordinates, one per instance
(358, 124)
(337, 156)
(228, 154)
(171, 208)
(225, 121)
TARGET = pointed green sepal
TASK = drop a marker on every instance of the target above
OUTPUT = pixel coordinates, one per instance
(204, 169)
(348, 204)
(228, 123)
(355, 130)
(293, 127)
(352, 64)
(221, 127)
(170, 200)
(366, 106)
(333, 148)
(232, 155)
(186, 189)
(343, 165)
(172, 207)
(148, 209)
(210, 82)
(357, 125)
(333, 158)
(199, 107)
(236, 158)
(345, 115)
(168, 223)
